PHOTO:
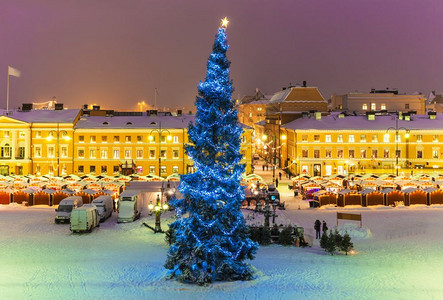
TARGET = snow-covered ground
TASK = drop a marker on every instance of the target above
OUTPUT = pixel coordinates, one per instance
(401, 258)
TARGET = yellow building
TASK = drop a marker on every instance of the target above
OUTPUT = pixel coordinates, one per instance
(339, 144)
(37, 141)
(144, 143)
(61, 142)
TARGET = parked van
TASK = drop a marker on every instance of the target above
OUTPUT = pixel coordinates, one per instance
(104, 205)
(84, 218)
(63, 212)
(129, 206)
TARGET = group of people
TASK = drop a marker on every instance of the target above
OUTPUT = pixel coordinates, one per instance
(317, 226)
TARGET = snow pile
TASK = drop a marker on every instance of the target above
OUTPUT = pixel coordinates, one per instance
(354, 231)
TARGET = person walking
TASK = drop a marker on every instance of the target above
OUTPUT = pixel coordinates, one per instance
(263, 167)
(317, 226)
(279, 175)
(325, 227)
(276, 182)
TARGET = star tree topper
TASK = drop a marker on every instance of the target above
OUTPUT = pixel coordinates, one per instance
(224, 22)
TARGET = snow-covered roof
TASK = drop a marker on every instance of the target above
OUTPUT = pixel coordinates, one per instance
(45, 116)
(134, 122)
(361, 122)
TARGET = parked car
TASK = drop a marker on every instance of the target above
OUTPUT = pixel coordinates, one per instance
(63, 212)
(104, 206)
(129, 206)
(85, 218)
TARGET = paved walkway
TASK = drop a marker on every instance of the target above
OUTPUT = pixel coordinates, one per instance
(286, 194)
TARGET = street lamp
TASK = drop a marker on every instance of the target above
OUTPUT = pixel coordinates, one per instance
(158, 208)
(397, 137)
(151, 138)
(65, 136)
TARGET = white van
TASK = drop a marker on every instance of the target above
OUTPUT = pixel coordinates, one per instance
(84, 218)
(104, 205)
(129, 206)
(63, 212)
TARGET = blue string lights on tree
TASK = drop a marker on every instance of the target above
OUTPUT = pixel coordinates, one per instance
(211, 239)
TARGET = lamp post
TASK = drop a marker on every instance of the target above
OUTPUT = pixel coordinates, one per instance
(57, 132)
(158, 208)
(397, 137)
(150, 138)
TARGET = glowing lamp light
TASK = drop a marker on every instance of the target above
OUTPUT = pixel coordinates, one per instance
(224, 22)
(386, 135)
(157, 208)
(407, 135)
(150, 138)
(151, 206)
(49, 138)
(264, 137)
(67, 138)
(283, 137)
(165, 206)
(169, 138)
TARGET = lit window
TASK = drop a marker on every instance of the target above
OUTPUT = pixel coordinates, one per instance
(316, 138)
(304, 153)
(81, 138)
(351, 153)
(104, 153)
(339, 138)
(373, 106)
(374, 139)
(175, 169)
(175, 141)
(139, 153)
(316, 153)
(328, 153)
(363, 138)
(104, 139)
(363, 153)
(64, 151)
(351, 138)
(364, 106)
(91, 169)
(386, 138)
(116, 154)
(128, 153)
(38, 134)
(175, 154)
(92, 138)
(383, 107)
(127, 139)
(163, 170)
(386, 153)
(328, 139)
(139, 139)
(116, 139)
(92, 153)
(304, 138)
(151, 169)
(435, 153)
(163, 154)
(151, 154)
(374, 153)
(38, 151)
(435, 138)
(340, 153)
(51, 151)
(81, 153)
(397, 138)
(419, 138)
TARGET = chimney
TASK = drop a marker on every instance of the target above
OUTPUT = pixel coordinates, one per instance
(304, 83)
(179, 112)
(109, 113)
(26, 106)
(85, 106)
(58, 106)
(96, 107)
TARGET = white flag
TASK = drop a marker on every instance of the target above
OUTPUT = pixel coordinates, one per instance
(14, 72)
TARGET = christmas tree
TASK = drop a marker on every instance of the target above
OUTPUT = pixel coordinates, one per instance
(211, 239)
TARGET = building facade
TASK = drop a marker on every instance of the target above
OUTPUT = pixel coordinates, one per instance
(349, 144)
(379, 100)
(62, 142)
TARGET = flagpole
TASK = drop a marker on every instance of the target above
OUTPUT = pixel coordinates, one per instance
(7, 94)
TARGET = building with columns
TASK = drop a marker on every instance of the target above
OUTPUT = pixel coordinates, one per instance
(374, 143)
(73, 141)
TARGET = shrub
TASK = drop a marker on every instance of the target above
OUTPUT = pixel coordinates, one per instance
(285, 237)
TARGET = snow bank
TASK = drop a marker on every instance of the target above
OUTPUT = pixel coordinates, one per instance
(354, 231)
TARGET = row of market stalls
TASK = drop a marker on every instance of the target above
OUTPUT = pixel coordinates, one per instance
(48, 190)
(370, 190)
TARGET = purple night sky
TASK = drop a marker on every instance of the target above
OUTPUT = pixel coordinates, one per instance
(115, 53)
